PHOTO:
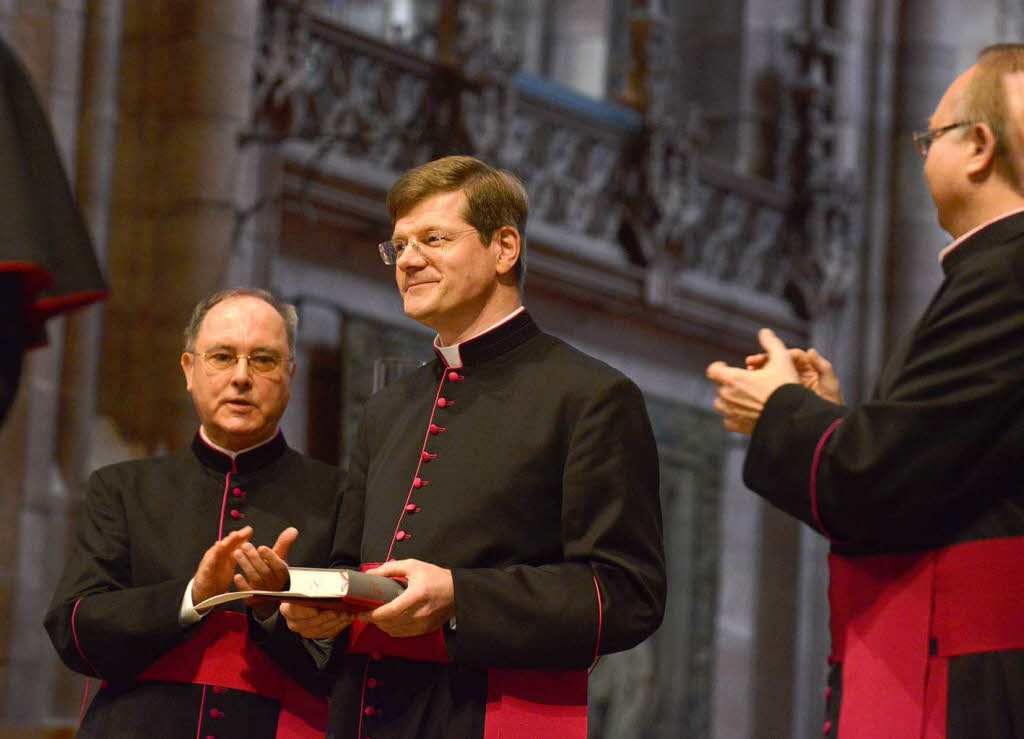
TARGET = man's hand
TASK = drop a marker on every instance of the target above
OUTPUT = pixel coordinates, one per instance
(314, 623)
(742, 393)
(427, 603)
(816, 372)
(264, 568)
(213, 576)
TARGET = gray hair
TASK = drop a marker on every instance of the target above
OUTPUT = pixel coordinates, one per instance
(285, 310)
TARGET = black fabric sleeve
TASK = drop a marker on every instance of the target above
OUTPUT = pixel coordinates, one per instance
(609, 593)
(938, 445)
(98, 622)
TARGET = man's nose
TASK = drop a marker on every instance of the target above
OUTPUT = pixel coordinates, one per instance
(241, 374)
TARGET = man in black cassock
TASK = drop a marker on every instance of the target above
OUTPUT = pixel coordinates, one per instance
(920, 489)
(47, 264)
(142, 558)
(513, 481)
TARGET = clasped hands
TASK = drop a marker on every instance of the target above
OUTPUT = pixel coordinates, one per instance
(261, 568)
(742, 392)
(427, 604)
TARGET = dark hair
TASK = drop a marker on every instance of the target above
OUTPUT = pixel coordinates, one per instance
(285, 310)
(495, 197)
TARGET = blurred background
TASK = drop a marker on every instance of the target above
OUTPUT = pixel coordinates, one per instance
(696, 169)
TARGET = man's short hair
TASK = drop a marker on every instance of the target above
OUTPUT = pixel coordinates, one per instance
(286, 310)
(495, 197)
(984, 101)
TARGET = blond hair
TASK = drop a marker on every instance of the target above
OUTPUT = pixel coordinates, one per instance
(984, 100)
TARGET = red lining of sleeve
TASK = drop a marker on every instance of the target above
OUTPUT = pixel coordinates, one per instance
(815, 461)
(600, 622)
(78, 644)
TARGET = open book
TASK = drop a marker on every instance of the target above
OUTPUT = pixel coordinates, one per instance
(339, 590)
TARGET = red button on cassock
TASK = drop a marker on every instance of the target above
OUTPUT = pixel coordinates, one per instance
(214, 713)
(417, 483)
(454, 376)
(412, 508)
(369, 710)
(435, 429)
(376, 656)
(237, 514)
(402, 536)
(427, 456)
(371, 683)
(827, 727)
(443, 402)
(238, 493)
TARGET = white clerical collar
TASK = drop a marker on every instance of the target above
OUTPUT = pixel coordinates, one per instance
(229, 452)
(963, 237)
(451, 354)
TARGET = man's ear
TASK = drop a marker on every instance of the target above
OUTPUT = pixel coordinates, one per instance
(508, 242)
(186, 367)
(983, 149)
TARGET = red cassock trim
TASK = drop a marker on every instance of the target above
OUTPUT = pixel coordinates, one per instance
(521, 704)
(527, 704)
(897, 619)
(220, 653)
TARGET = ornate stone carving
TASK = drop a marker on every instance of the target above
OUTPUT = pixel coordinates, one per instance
(641, 184)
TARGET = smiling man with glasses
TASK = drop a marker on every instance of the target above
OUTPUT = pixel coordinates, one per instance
(124, 608)
(513, 481)
(920, 489)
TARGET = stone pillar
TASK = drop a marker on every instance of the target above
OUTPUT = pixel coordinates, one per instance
(737, 608)
(929, 58)
(186, 76)
(578, 56)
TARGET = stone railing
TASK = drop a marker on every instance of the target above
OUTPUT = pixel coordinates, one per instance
(624, 209)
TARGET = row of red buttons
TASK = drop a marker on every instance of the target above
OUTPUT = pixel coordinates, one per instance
(410, 509)
(433, 429)
(237, 495)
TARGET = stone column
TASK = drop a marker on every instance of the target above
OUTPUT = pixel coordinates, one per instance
(738, 602)
(186, 76)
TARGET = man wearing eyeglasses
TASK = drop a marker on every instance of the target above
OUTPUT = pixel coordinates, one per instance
(513, 481)
(920, 489)
(158, 536)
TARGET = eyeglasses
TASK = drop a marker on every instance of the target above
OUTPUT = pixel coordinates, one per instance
(923, 139)
(390, 251)
(260, 362)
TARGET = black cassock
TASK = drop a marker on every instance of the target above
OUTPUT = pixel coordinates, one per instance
(143, 529)
(921, 490)
(530, 470)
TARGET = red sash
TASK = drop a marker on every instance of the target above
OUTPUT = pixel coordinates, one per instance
(221, 654)
(521, 704)
(897, 619)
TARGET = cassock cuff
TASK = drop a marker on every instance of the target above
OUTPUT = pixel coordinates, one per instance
(188, 615)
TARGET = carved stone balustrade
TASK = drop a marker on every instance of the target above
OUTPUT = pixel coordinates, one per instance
(625, 216)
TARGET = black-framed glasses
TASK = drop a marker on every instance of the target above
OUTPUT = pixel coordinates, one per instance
(260, 362)
(923, 139)
(390, 251)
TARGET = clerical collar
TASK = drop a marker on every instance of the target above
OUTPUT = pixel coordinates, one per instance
(973, 232)
(513, 330)
(452, 355)
(244, 460)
